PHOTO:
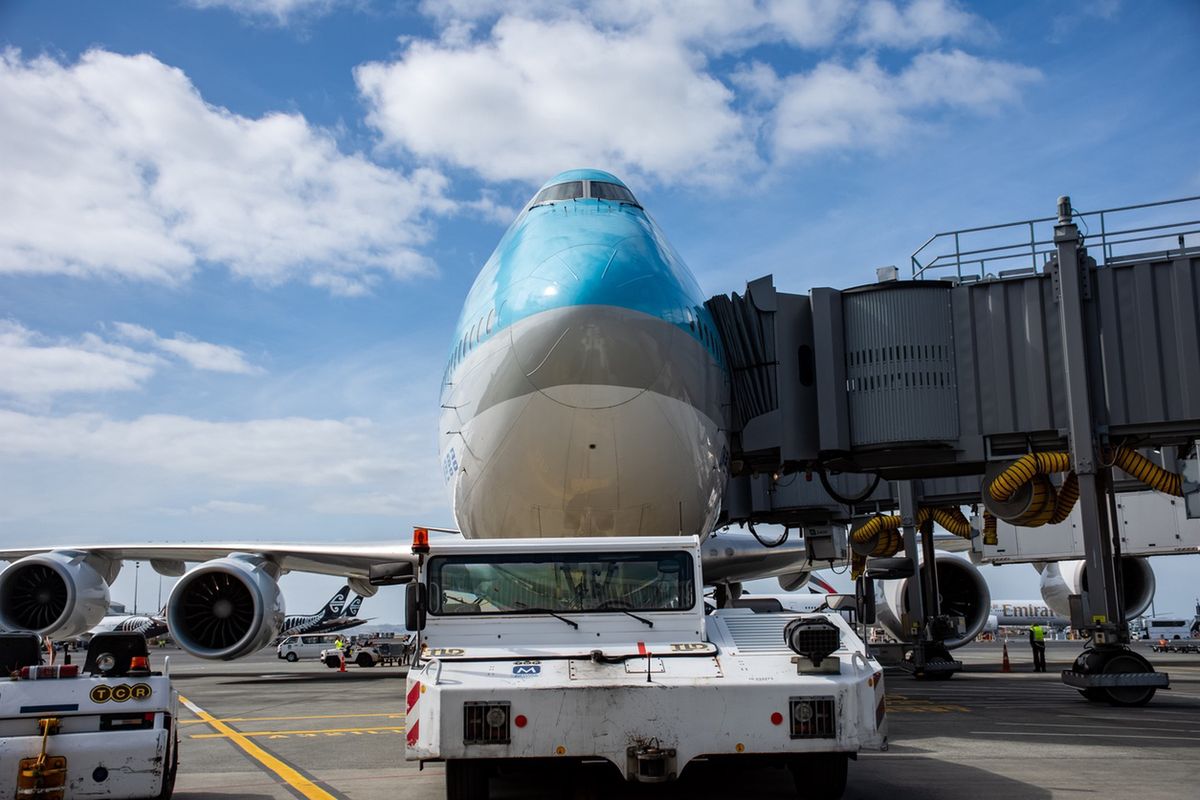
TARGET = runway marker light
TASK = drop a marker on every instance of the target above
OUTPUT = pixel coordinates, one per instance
(520, 721)
(420, 540)
(776, 718)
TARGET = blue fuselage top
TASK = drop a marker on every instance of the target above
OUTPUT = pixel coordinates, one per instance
(582, 240)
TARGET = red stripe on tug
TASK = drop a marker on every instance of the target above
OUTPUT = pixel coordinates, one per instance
(414, 694)
(411, 736)
(641, 648)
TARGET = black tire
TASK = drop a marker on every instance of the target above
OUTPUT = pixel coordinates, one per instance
(467, 779)
(292, 657)
(820, 776)
(364, 660)
(168, 786)
(1129, 661)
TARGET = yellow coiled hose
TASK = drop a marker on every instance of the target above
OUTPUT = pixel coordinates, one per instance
(880, 536)
(1050, 506)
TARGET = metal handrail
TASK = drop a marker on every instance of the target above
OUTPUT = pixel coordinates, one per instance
(1031, 247)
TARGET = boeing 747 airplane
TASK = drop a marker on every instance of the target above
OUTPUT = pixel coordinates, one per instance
(584, 395)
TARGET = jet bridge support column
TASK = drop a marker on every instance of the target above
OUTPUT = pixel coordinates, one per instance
(930, 658)
(1109, 670)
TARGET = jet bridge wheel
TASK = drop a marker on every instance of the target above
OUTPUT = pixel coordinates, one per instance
(467, 779)
(819, 776)
(1096, 661)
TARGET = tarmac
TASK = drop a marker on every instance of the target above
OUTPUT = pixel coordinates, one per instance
(263, 728)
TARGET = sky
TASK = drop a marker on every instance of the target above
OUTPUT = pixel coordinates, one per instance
(235, 235)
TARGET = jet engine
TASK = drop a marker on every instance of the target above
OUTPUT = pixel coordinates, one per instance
(227, 608)
(964, 593)
(60, 593)
(1061, 580)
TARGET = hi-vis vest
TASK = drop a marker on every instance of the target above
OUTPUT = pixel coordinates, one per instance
(1039, 633)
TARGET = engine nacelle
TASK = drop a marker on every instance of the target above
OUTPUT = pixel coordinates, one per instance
(226, 608)
(964, 593)
(1061, 580)
(61, 593)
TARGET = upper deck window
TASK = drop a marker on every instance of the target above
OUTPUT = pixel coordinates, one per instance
(602, 190)
(559, 191)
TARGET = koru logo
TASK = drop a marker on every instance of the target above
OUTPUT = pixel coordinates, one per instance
(120, 693)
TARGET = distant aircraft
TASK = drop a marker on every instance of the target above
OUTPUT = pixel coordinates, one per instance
(151, 625)
(345, 622)
(1022, 614)
(320, 621)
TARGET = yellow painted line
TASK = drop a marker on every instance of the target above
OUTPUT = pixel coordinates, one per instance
(284, 733)
(277, 719)
(285, 772)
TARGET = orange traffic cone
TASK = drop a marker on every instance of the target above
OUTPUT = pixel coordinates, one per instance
(342, 660)
(1005, 666)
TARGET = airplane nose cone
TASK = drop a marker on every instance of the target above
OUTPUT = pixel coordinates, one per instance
(592, 353)
(591, 356)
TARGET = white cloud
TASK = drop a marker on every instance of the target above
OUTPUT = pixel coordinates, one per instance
(708, 25)
(227, 507)
(115, 166)
(33, 367)
(198, 354)
(537, 97)
(289, 451)
(885, 23)
(836, 107)
(279, 11)
(377, 504)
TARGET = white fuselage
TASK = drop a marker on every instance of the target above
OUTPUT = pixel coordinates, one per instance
(544, 458)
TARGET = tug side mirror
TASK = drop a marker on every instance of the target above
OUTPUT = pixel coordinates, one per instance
(416, 602)
(866, 600)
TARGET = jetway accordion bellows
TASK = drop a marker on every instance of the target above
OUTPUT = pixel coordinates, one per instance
(900, 375)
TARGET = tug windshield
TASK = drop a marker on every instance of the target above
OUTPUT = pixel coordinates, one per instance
(560, 582)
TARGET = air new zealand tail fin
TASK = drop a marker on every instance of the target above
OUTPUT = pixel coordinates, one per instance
(336, 603)
(352, 611)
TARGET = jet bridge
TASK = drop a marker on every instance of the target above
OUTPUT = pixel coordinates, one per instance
(1020, 367)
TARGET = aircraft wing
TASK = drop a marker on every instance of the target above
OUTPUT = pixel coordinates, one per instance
(952, 544)
(345, 560)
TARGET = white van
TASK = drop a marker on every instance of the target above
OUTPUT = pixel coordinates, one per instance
(306, 645)
(1168, 629)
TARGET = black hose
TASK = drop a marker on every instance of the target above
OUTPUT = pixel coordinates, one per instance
(847, 501)
(782, 539)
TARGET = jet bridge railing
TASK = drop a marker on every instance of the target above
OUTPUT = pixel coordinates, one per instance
(1025, 247)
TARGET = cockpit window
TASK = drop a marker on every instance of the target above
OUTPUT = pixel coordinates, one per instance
(559, 191)
(602, 190)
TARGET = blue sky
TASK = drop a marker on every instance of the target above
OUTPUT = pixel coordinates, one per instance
(235, 236)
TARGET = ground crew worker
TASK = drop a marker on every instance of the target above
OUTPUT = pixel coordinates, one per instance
(1037, 642)
(338, 643)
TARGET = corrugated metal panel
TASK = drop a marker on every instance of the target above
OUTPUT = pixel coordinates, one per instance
(900, 371)
(759, 633)
(1150, 341)
(1009, 357)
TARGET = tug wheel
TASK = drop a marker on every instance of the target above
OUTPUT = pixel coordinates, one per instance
(467, 779)
(819, 776)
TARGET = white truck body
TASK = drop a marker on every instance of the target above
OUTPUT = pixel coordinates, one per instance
(693, 686)
(117, 734)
